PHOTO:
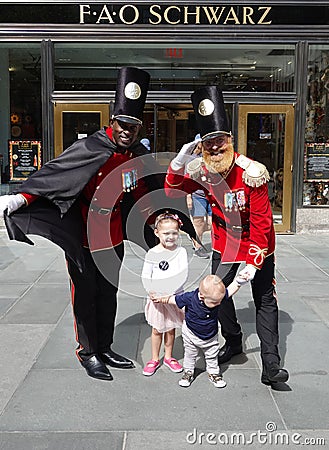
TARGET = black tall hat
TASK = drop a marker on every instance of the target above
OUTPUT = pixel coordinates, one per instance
(130, 95)
(210, 112)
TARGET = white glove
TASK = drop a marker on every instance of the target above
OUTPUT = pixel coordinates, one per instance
(184, 155)
(11, 203)
(247, 273)
(241, 281)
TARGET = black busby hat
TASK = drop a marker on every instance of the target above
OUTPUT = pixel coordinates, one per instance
(210, 112)
(130, 95)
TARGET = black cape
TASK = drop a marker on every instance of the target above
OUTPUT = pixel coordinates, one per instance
(56, 215)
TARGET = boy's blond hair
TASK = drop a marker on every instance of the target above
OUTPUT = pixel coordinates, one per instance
(213, 285)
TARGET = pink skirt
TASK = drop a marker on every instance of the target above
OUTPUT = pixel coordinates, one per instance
(163, 317)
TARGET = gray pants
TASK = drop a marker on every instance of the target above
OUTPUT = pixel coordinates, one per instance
(192, 345)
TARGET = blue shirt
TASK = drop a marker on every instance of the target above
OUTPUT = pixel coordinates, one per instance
(200, 319)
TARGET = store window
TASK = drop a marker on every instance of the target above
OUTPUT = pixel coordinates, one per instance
(235, 67)
(25, 91)
(20, 72)
(316, 152)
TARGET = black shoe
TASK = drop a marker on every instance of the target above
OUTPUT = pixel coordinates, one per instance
(95, 368)
(227, 351)
(114, 360)
(274, 374)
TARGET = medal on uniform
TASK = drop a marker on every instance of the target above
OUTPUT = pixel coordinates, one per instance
(228, 201)
(241, 199)
(203, 175)
(129, 180)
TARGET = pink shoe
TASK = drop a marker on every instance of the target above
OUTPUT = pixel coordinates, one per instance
(173, 365)
(151, 367)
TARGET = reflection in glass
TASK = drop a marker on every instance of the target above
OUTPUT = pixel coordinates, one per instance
(20, 78)
(316, 175)
(77, 125)
(265, 143)
(235, 67)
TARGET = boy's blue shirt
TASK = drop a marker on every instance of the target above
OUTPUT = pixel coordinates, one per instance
(200, 319)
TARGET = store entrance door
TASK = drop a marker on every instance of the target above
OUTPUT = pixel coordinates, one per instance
(168, 127)
(265, 133)
(75, 121)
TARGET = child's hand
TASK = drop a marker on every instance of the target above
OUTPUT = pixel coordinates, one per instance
(160, 299)
(154, 297)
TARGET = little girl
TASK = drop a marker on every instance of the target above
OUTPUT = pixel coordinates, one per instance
(165, 270)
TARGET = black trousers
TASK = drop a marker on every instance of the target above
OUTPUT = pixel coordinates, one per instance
(264, 296)
(94, 300)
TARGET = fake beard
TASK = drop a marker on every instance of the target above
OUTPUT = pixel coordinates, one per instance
(221, 166)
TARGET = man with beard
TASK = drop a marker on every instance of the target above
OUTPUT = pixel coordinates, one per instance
(242, 225)
(94, 185)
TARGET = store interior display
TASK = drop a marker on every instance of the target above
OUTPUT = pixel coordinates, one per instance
(316, 182)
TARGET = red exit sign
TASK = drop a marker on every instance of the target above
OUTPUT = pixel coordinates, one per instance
(174, 53)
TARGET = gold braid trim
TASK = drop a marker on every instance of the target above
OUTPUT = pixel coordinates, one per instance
(255, 173)
(258, 253)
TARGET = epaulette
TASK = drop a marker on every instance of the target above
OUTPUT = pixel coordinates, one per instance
(255, 173)
(194, 168)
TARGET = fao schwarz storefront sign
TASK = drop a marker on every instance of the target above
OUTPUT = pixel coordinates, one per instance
(162, 14)
(177, 15)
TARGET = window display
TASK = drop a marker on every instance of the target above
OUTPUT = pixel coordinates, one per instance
(316, 158)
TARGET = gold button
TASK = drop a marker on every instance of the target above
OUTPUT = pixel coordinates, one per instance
(100, 174)
(213, 204)
(97, 187)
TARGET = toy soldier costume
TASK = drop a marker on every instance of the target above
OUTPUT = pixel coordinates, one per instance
(242, 224)
(97, 182)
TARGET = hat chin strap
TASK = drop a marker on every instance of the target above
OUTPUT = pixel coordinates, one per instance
(129, 119)
(214, 134)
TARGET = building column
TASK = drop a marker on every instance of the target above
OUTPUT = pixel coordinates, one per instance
(4, 105)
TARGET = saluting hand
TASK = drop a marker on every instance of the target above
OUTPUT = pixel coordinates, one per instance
(184, 155)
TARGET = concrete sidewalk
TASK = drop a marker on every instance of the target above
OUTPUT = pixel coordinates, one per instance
(48, 402)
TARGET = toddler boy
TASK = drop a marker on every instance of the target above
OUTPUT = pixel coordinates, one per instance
(200, 327)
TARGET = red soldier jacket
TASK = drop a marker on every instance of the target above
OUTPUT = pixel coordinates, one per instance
(104, 196)
(242, 222)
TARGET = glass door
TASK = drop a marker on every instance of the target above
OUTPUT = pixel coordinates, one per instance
(265, 133)
(75, 121)
(168, 126)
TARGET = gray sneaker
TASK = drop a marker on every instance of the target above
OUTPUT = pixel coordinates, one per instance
(216, 380)
(186, 379)
(201, 253)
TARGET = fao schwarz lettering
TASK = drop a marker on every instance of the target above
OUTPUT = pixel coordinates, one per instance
(129, 14)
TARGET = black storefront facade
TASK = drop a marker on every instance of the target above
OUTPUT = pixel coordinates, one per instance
(59, 62)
